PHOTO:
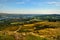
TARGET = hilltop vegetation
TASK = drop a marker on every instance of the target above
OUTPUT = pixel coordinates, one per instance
(29, 27)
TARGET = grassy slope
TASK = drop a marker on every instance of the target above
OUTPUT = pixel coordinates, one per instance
(48, 33)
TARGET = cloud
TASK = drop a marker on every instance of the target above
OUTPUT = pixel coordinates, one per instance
(54, 3)
(20, 2)
(23, 2)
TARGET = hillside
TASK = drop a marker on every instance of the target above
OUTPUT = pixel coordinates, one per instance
(30, 27)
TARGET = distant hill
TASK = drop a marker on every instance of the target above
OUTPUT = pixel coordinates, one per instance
(42, 16)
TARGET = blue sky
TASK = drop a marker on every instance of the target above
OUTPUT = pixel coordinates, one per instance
(30, 6)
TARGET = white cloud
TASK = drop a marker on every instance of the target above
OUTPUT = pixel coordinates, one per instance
(20, 2)
(23, 2)
(54, 3)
